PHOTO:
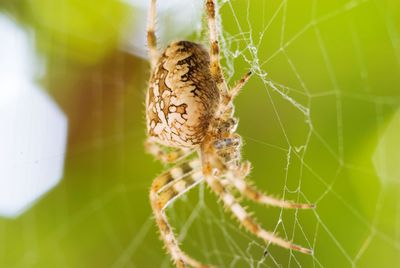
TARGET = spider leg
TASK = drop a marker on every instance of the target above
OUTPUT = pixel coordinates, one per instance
(233, 92)
(165, 154)
(165, 189)
(234, 206)
(151, 36)
(228, 149)
(244, 217)
(177, 181)
(237, 179)
(239, 85)
(215, 66)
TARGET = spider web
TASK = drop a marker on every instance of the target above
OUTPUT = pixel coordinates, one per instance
(324, 90)
(316, 105)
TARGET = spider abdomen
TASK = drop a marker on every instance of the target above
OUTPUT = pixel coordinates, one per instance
(182, 96)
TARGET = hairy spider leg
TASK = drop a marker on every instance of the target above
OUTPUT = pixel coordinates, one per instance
(165, 189)
(244, 217)
(237, 179)
(239, 85)
(215, 65)
(151, 35)
(165, 154)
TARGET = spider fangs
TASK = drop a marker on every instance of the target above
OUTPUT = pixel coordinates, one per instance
(189, 108)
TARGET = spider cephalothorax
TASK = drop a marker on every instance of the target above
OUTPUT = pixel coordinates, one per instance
(189, 110)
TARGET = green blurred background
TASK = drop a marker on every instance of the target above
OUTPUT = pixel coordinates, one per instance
(320, 120)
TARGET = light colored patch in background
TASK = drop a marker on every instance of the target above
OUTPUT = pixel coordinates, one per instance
(175, 19)
(387, 154)
(33, 130)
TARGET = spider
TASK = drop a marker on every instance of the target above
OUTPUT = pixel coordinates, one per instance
(189, 110)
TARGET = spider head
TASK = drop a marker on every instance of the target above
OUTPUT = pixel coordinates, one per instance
(228, 126)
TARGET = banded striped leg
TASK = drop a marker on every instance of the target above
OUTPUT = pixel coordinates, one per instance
(243, 216)
(215, 66)
(151, 36)
(165, 189)
(165, 154)
(239, 85)
(237, 179)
